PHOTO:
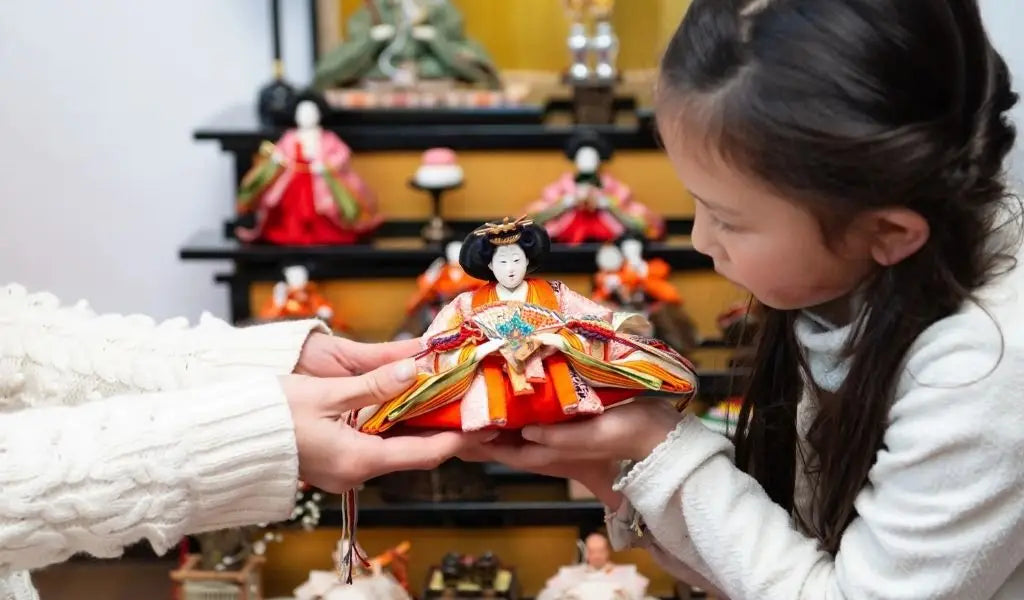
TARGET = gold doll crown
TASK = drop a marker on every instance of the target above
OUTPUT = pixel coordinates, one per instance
(504, 233)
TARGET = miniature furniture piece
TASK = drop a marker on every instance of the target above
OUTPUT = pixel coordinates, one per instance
(243, 584)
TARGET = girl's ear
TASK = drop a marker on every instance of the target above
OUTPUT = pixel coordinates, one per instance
(895, 234)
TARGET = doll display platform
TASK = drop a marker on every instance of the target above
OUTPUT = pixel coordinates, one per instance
(468, 577)
(521, 351)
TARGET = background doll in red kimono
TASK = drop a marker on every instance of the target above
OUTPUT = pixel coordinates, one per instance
(589, 205)
(304, 191)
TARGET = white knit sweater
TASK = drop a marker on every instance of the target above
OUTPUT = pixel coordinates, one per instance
(115, 429)
(942, 516)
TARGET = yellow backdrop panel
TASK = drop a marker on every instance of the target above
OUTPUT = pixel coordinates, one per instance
(505, 182)
(289, 562)
(531, 34)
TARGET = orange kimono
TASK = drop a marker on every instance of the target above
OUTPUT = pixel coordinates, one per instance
(525, 377)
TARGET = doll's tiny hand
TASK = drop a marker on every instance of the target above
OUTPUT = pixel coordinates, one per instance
(424, 33)
(317, 167)
(325, 312)
(384, 31)
(602, 201)
(551, 339)
(612, 282)
(277, 157)
(487, 348)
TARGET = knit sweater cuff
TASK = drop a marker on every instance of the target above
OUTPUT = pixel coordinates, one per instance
(242, 450)
(652, 481)
(273, 347)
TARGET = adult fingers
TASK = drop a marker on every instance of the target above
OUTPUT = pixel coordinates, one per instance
(374, 387)
(416, 453)
(365, 357)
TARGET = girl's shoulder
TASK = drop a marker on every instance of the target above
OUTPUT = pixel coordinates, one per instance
(979, 347)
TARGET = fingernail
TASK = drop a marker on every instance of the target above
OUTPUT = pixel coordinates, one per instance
(405, 370)
(490, 437)
(530, 433)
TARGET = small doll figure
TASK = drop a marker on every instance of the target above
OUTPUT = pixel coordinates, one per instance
(437, 286)
(298, 298)
(627, 281)
(521, 351)
(382, 577)
(596, 577)
(303, 191)
(591, 206)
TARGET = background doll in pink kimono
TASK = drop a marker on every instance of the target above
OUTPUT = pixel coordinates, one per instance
(304, 192)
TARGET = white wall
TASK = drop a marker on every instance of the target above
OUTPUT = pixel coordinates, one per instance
(1005, 21)
(100, 181)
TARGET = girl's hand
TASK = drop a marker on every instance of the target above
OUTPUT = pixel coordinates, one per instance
(596, 475)
(326, 355)
(627, 432)
(336, 457)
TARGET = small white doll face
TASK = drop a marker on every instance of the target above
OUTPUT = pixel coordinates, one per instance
(451, 252)
(296, 277)
(587, 160)
(509, 265)
(609, 258)
(307, 114)
(633, 250)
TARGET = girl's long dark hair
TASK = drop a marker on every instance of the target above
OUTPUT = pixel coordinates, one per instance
(844, 106)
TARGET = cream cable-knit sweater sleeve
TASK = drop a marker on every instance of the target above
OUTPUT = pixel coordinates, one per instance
(210, 446)
(51, 353)
(97, 477)
(941, 518)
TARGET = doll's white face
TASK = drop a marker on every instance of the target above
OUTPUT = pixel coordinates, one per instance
(451, 252)
(509, 265)
(633, 250)
(609, 258)
(296, 277)
(307, 114)
(587, 160)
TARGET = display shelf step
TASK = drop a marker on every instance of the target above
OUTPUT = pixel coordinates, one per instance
(397, 257)
(238, 129)
(583, 514)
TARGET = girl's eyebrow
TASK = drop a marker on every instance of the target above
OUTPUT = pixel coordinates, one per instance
(713, 206)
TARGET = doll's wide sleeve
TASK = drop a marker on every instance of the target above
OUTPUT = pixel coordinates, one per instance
(60, 354)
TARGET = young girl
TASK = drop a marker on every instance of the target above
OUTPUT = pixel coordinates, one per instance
(846, 158)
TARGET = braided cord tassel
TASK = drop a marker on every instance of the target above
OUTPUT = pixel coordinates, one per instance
(349, 523)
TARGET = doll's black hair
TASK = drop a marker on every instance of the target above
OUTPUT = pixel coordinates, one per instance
(477, 251)
(589, 138)
(313, 96)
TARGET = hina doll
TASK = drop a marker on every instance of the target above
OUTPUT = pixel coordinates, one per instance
(298, 298)
(522, 350)
(303, 190)
(437, 286)
(402, 42)
(627, 281)
(382, 577)
(589, 205)
(596, 577)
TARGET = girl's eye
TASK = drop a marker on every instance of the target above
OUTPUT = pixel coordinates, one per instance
(722, 224)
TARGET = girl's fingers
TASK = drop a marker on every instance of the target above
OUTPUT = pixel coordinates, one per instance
(380, 385)
(366, 357)
(534, 457)
(567, 436)
(417, 453)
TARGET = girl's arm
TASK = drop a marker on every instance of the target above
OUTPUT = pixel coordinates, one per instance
(68, 354)
(97, 477)
(942, 515)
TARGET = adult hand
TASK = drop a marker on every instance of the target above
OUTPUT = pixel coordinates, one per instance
(326, 355)
(336, 457)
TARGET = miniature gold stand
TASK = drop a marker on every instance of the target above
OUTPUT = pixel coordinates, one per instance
(243, 584)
